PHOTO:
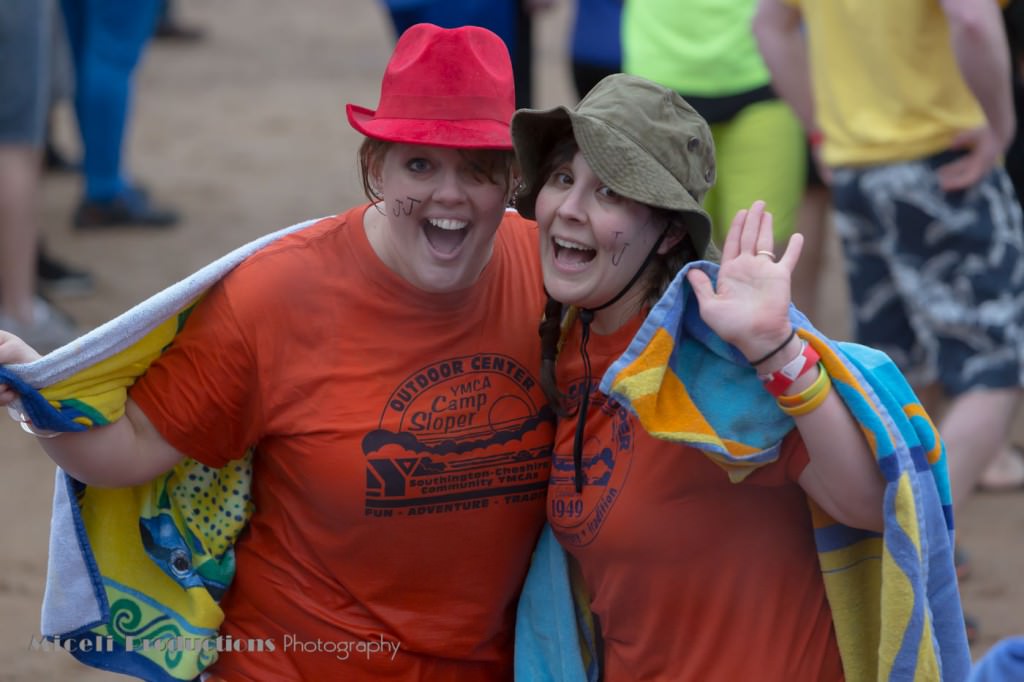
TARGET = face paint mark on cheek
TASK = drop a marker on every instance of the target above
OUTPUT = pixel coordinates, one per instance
(412, 205)
(397, 210)
(617, 256)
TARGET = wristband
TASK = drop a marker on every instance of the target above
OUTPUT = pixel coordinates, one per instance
(808, 393)
(779, 381)
(26, 424)
(810, 398)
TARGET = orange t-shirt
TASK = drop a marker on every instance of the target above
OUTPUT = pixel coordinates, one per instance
(402, 454)
(691, 577)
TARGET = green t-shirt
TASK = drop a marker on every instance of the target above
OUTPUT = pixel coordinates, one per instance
(696, 47)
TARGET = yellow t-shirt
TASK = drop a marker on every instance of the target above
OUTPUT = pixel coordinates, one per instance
(886, 81)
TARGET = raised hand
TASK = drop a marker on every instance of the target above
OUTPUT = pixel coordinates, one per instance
(749, 307)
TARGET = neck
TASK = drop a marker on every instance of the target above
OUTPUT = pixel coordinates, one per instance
(611, 319)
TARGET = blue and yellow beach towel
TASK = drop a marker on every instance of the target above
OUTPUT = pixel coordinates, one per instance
(894, 596)
(135, 574)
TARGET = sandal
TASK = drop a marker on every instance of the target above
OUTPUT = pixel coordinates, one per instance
(1006, 472)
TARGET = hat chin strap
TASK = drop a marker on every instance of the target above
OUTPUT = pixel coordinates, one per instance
(586, 318)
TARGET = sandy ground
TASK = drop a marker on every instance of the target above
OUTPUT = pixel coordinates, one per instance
(245, 132)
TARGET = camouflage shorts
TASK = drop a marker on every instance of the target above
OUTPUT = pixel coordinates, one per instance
(936, 279)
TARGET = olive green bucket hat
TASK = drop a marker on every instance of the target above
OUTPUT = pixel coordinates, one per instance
(643, 140)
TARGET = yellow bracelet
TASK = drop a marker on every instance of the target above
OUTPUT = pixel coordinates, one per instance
(803, 396)
(809, 399)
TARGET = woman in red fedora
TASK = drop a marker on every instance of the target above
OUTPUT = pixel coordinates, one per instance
(377, 364)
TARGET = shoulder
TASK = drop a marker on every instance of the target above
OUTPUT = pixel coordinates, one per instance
(518, 233)
(316, 241)
(295, 264)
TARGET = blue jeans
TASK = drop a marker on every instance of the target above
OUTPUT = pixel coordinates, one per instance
(106, 39)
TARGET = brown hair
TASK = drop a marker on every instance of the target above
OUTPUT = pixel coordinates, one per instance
(661, 270)
(487, 164)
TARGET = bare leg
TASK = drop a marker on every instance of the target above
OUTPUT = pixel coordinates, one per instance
(975, 428)
(19, 190)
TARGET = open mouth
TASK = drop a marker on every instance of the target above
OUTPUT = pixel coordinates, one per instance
(572, 253)
(445, 234)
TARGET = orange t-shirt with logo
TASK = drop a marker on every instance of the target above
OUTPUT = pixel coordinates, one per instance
(402, 453)
(691, 577)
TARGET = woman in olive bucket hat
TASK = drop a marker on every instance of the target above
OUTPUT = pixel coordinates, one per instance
(680, 481)
(377, 361)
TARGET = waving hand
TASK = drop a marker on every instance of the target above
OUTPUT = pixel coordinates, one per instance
(749, 306)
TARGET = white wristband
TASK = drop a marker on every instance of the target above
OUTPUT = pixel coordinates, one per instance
(26, 424)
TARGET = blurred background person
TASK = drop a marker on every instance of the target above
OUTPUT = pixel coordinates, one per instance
(25, 50)
(56, 277)
(930, 225)
(512, 20)
(595, 46)
(705, 50)
(1006, 472)
(107, 38)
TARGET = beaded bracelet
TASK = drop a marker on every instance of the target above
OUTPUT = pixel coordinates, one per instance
(808, 399)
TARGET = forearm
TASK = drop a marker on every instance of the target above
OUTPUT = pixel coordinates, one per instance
(125, 453)
(979, 43)
(784, 49)
(842, 475)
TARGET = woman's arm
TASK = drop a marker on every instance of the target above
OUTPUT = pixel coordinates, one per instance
(749, 307)
(842, 475)
(128, 452)
(780, 38)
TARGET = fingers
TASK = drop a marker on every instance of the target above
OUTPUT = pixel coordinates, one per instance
(14, 351)
(751, 229)
(731, 248)
(960, 174)
(7, 396)
(701, 284)
(748, 232)
(982, 154)
(765, 237)
(791, 256)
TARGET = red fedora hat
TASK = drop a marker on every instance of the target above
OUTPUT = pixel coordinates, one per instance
(443, 88)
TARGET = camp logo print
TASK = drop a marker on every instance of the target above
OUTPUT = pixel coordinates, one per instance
(460, 434)
(607, 456)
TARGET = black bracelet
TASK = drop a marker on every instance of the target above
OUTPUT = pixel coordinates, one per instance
(781, 346)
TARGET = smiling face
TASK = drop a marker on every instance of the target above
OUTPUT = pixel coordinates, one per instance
(593, 241)
(441, 208)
